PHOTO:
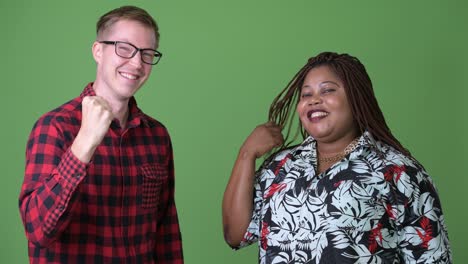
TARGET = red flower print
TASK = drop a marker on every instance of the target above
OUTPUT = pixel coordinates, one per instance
(336, 184)
(281, 164)
(375, 233)
(265, 232)
(390, 173)
(390, 212)
(427, 236)
(247, 237)
(274, 188)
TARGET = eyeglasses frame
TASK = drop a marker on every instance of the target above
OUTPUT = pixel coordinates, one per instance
(157, 54)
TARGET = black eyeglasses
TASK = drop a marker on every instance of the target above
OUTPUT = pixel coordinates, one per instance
(127, 50)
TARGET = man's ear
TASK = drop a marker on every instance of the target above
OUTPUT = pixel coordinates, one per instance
(97, 51)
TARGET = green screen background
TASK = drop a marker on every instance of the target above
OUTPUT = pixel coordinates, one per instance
(223, 63)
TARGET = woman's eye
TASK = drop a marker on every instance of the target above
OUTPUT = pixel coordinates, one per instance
(328, 90)
(305, 95)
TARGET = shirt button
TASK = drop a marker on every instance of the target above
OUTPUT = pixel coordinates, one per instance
(77, 175)
(61, 207)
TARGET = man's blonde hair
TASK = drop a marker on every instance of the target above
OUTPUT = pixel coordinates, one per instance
(127, 13)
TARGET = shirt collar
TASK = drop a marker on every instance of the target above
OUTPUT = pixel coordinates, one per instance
(309, 145)
(135, 117)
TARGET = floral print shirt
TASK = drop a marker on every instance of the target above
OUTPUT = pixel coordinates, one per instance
(374, 206)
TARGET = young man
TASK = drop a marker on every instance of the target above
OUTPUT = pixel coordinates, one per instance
(99, 179)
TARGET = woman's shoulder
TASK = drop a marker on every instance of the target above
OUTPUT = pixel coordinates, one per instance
(388, 154)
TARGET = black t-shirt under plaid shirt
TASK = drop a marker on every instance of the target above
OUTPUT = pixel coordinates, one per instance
(119, 208)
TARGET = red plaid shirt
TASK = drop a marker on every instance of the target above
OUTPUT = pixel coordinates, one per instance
(119, 208)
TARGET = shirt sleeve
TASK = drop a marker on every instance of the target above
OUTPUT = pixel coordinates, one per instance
(168, 237)
(252, 233)
(51, 177)
(423, 236)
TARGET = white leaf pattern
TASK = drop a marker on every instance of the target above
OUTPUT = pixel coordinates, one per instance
(404, 184)
(389, 238)
(426, 206)
(281, 258)
(338, 168)
(411, 236)
(436, 248)
(340, 240)
(318, 241)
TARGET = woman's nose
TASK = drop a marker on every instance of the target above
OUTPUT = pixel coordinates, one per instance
(314, 99)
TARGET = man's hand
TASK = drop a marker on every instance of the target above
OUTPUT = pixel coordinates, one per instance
(96, 119)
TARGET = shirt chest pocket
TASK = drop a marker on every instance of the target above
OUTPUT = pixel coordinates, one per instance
(154, 178)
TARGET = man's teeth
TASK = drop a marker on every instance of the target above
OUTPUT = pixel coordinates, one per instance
(128, 76)
(318, 114)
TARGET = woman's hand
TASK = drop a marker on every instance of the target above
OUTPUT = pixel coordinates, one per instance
(263, 138)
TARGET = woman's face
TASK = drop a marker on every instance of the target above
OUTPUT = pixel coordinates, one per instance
(323, 107)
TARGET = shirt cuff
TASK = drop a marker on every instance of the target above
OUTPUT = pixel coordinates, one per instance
(71, 168)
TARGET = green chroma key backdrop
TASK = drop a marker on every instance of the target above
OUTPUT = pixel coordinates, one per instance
(223, 63)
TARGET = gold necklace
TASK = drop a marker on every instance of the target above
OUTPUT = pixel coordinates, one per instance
(352, 146)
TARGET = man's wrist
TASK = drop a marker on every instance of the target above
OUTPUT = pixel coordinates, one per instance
(79, 149)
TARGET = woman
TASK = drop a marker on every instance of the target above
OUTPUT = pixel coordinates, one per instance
(349, 193)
